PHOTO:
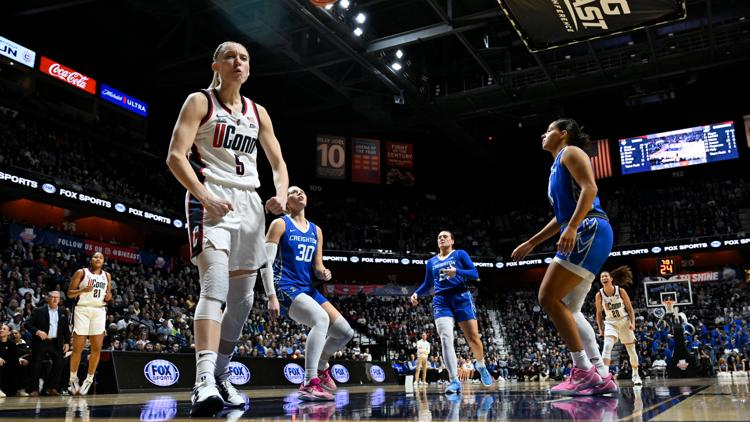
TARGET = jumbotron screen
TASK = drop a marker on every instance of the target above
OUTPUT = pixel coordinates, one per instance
(678, 148)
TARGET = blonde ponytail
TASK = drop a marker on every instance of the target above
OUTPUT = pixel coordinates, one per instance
(215, 81)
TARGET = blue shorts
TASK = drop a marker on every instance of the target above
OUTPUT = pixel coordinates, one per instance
(593, 245)
(458, 306)
(287, 294)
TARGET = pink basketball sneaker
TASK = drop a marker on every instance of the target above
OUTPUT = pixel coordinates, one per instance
(314, 392)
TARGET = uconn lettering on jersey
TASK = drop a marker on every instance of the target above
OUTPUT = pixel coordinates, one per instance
(613, 306)
(303, 239)
(226, 136)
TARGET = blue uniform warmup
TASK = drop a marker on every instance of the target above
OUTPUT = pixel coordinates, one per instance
(452, 296)
(594, 240)
(292, 268)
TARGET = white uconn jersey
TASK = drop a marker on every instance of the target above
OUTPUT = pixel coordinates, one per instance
(614, 307)
(226, 145)
(96, 296)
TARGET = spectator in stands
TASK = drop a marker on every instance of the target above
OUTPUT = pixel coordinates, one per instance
(11, 362)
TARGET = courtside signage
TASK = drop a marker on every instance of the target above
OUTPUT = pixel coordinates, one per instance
(162, 373)
(17, 52)
(239, 374)
(68, 75)
(123, 100)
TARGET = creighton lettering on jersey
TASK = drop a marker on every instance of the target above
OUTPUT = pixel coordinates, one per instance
(95, 297)
(226, 146)
(297, 249)
(563, 193)
(614, 307)
(435, 275)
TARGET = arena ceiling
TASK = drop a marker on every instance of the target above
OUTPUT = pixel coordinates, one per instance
(461, 59)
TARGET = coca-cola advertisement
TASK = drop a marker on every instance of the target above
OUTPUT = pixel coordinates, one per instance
(67, 75)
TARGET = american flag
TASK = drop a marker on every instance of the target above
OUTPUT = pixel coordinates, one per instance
(600, 159)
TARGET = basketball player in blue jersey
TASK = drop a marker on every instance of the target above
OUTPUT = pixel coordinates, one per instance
(447, 272)
(213, 154)
(585, 243)
(299, 246)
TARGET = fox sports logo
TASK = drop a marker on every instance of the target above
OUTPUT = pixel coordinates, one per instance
(161, 372)
(294, 373)
(340, 373)
(162, 408)
(49, 188)
(377, 373)
(239, 374)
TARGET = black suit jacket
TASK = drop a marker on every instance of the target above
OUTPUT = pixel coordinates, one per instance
(39, 320)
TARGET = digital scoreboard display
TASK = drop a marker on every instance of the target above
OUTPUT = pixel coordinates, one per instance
(678, 148)
(665, 267)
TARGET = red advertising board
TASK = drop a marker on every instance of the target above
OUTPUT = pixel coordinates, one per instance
(112, 252)
(67, 75)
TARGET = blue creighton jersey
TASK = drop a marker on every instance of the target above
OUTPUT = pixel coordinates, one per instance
(563, 193)
(457, 259)
(297, 249)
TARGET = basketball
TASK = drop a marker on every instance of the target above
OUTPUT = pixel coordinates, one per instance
(322, 3)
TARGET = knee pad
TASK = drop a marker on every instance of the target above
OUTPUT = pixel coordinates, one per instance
(341, 329)
(609, 343)
(213, 267)
(575, 298)
(632, 354)
(445, 330)
(308, 312)
(208, 308)
(239, 304)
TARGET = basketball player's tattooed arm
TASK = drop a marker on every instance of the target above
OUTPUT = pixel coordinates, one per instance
(75, 289)
(599, 322)
(271, 147)
(526, 247)
(183, 136)
(321, 272)
(629, 308)
(579, 166)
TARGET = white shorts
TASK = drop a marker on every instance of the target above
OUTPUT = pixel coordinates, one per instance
(89, 321)
(619, 329)
(240, 232)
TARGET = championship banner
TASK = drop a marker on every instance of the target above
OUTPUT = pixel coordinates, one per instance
(545, 24)
(365, 160)
(17, 52)
(67, 75)
(331, 160)
(399, 160)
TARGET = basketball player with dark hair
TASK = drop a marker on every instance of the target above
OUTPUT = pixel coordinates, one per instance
(584, 245)
(447, 272)
(92, 288)
(620, 321)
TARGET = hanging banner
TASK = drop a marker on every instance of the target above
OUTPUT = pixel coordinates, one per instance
(544, 24)
(399, 160)
(117, 253)
(365, 160)
(331, 160)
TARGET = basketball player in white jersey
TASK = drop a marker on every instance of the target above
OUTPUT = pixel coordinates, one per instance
(92, 288)
(213, 154)
(620, 318)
